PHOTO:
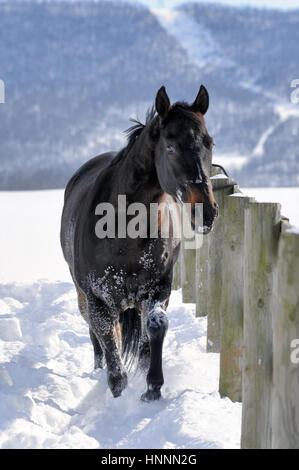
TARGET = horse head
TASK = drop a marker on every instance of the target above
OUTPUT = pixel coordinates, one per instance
(183, 155)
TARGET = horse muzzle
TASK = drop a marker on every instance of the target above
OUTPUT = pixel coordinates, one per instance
(203, 217)
(204, 208)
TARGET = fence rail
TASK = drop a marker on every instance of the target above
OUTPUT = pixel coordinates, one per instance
(245, 278)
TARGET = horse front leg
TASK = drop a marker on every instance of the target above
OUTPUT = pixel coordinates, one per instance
(104, 327)
(98, 351)
(156, 327)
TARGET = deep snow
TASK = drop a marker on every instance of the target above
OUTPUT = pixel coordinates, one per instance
(50, 397)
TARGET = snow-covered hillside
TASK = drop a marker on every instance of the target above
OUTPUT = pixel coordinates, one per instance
(246, 57)
(280, 4)
(50, 397)
(192, 37)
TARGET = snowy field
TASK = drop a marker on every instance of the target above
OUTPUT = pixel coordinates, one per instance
(50, 397)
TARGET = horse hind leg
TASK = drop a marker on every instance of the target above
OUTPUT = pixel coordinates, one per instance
(82, 302)
(144, 355)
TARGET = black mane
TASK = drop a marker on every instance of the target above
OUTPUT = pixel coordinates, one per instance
(134, 131)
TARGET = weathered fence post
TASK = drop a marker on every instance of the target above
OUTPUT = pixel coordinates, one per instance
(285, 402)
(262, 230)
(188, 272)
(176, 281)
(231, 357)
(201, 271)
(202, 278)
(222, 187)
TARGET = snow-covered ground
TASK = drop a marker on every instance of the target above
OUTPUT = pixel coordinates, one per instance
(29, 239)
(50, 397)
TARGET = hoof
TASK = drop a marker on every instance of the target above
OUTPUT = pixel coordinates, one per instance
(144, 358)
(117, 383)
(151, 395)
(98, 362)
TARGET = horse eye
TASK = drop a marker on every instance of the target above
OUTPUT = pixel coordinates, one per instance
(170, 149)
(207, 141)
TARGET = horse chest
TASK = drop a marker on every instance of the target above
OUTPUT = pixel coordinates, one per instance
(130, 280)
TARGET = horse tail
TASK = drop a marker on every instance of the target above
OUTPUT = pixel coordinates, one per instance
(130, 322)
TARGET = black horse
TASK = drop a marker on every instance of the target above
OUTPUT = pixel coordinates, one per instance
(124, 283)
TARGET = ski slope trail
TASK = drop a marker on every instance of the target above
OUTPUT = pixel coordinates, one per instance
(50, 396)
(200, 46)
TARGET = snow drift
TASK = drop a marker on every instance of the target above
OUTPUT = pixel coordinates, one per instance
(50, 396)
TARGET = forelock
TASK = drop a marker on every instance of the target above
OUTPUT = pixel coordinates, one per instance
(181, 110)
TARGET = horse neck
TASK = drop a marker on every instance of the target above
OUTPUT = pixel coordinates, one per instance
(136, 172)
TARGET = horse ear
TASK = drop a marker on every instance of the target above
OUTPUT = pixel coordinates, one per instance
(162, 103)
(201, 103)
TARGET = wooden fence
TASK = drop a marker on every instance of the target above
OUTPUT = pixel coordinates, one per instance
(245, 278)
